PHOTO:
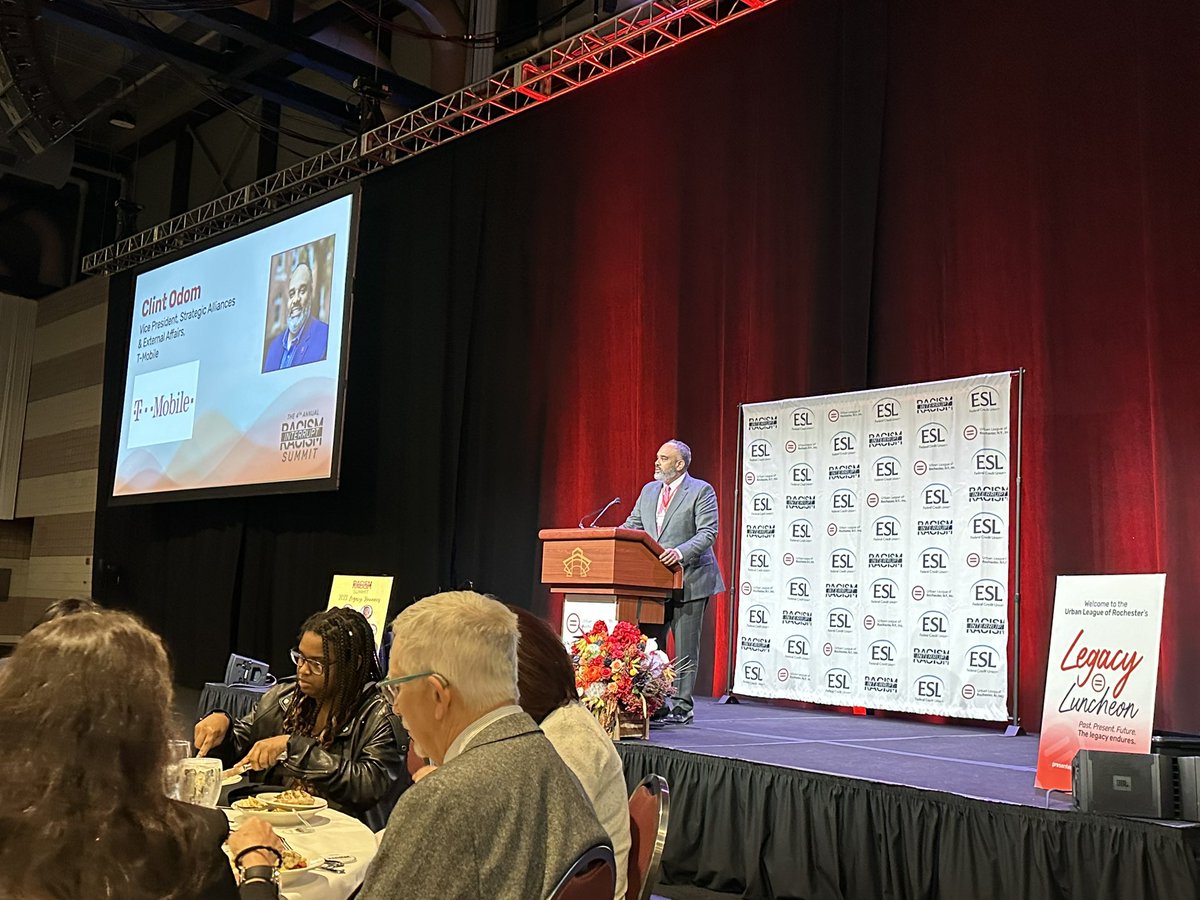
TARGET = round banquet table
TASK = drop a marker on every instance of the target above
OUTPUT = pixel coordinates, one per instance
(334, 834)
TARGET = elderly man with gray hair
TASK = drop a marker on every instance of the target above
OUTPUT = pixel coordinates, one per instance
(502, 816)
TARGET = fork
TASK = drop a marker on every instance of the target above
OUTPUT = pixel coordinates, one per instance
(305, 827)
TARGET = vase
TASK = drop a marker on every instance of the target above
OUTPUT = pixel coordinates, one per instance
(627, 726)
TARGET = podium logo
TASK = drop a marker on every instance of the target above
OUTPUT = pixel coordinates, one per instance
(802, 418)
(576, 565)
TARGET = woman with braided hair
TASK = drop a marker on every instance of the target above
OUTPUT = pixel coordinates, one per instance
(330, 731)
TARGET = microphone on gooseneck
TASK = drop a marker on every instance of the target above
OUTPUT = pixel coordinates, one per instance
(607, 506)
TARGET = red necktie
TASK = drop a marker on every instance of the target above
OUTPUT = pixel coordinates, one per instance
(664, 499)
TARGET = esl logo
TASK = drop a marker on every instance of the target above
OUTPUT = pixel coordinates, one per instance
(933, 435)
(884, 590)
(801, 530)
(757, 615)
(760, 560)
(937, 496)
(987, 590)
(840, 619)
(883, 653)
(802, 474)
(837, 680)
(887, 409)
(982, 658)
(752, 672)
(929, 688)
(984, 399)
(934, 560)
(843, 442)
(934, 624)
(887, 467)
(799, 589)
(843, 500)
(797, 646)
(841, 561)
(762, 503)
(760, 450)
(802, 418)
(887, 528)
(988, 462)
(987, 525)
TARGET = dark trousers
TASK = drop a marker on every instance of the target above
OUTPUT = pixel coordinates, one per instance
(685, 622)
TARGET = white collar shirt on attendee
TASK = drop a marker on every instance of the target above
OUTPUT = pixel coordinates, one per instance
(659, 512)
(464, 738)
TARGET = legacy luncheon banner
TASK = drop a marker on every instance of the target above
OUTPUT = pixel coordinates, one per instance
(1102, 672)
(875, 549)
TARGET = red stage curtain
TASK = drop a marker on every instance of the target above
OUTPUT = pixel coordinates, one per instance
(813, 200)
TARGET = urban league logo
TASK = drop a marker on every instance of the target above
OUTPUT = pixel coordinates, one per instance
(301, 436)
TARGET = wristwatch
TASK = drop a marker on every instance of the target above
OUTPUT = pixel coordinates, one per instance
(269, 874)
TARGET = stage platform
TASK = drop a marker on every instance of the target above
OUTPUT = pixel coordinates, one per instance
(772, 802)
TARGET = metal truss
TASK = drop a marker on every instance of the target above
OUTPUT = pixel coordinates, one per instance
(626, 39)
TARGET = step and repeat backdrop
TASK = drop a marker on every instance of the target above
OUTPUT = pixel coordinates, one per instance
(875, 546)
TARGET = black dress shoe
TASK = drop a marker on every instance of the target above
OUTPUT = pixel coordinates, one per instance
(677, 718)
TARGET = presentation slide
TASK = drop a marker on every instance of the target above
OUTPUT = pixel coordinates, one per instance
(235, 362)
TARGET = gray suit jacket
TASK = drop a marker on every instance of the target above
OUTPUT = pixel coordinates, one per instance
(690, 526)
(503, 820)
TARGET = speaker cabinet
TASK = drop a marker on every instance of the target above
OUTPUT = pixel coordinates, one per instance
(1123, 784)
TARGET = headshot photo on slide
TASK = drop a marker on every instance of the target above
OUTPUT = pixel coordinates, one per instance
(298, 306)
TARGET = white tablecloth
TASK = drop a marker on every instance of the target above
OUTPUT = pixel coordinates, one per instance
(334, 834)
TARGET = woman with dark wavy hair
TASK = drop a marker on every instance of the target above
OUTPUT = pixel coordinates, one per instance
(85, 711)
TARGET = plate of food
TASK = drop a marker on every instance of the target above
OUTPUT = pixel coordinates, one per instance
(293, 799)
(265, 806)
(295, 863)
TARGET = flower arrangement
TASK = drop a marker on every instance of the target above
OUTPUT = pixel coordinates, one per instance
(621, 674)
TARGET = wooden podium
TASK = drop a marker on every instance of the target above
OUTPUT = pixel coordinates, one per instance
(607, 565)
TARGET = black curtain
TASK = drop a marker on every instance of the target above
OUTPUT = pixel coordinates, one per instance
(436, 462)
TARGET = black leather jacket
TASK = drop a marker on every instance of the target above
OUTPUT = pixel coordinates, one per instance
(361, 773)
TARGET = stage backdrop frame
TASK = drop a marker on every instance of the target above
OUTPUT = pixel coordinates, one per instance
(839, 454)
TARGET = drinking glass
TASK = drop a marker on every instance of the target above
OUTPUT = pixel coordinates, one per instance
(177, 752)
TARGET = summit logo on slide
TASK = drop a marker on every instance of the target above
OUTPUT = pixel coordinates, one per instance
(162, 405)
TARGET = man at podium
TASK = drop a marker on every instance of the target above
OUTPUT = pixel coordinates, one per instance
(680, 512)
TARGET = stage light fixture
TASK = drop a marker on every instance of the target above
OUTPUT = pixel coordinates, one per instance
(122, 118)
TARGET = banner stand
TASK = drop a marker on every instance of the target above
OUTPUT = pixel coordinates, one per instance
(1014, 728)
(735, 558)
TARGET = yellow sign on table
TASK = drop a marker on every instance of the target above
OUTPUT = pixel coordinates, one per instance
(369, 594)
